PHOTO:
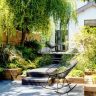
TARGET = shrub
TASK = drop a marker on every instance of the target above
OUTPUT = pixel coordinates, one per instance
(44, 60)
(65, 60)
(60, 69)
(1, 70)
(1, 73)
(76, 73)
(22, 63)
(12, 65)
(3, 57)
(28, 53)
(87, 40)
(34, 44)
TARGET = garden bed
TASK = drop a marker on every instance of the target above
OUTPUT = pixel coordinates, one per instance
(79, 80)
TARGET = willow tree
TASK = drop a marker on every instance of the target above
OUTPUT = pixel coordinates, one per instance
(34, 15)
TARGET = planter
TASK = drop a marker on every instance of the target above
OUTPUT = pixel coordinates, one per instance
(88, 72)
(76, 80)
(11, 74)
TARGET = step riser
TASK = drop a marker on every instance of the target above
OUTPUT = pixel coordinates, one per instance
(34, 74)
(55, 62)
(24, 82)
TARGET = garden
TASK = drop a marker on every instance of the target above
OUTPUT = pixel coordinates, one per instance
(26, 57)
(27, 17)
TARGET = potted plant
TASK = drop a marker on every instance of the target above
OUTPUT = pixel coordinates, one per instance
(12, 71)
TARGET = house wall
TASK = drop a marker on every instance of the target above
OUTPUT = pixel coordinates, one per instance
(88, 14)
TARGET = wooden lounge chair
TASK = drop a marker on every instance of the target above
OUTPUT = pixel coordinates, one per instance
(60, 75)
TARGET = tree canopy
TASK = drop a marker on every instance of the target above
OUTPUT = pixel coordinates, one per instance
(34, 15)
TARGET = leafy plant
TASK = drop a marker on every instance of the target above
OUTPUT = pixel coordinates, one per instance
(76, 73)
(27, 53)
(1, 70)
(34, 44)
(87, 39)
(12, 65)
(44, 60)
(22, 63)
(60, 69)
(65, 60)
(1, 73)
(3, 57)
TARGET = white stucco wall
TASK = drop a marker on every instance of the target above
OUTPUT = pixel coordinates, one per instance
(75, 28)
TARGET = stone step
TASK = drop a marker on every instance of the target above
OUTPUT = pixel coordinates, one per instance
(56, 55)
(42, 72)
(56, 58)
(34, 81)
(56, 62)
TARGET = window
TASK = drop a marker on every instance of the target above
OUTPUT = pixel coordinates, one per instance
(91, 22)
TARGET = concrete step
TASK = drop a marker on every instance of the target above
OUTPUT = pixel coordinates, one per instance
(42, 72)
(34, 81)
(56, 58)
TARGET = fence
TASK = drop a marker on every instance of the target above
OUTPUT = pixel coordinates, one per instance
(16, 39)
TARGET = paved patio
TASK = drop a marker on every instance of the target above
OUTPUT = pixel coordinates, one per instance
(14, 88)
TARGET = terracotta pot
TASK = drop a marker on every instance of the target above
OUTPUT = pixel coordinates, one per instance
(11, 74)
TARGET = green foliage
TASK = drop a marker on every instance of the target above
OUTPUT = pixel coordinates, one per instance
(76, 73)
(3, 57)
(33, 15)
(87, 39)
(6, 19)
(60, 69)
(34, 44)
(15, 58)
(44, 60)
(1, 70)
(22, 63)
(28, 53)
(66, 58)
(12, 65)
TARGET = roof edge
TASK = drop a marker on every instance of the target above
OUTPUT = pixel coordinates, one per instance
(88, 5)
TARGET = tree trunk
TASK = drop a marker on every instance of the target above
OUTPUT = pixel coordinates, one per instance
(7, 38)
(23, 37)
